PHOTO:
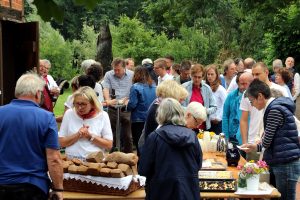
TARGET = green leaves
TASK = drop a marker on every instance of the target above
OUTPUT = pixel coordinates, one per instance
(49, 9)
(90, 4)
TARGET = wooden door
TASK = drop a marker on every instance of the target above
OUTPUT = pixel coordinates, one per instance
(19, 45)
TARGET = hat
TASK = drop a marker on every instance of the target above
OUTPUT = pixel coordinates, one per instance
(147, 61)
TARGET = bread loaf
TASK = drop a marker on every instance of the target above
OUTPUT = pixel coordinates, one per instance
(120, 157)
(72, 169)
(112, 165)
(94, 170)
(66, 165)
(105, 172)
(82, 170)
(77, 161)
(125, 169)
(94, 165)
(116, 173)
(96, 157)
(102, 165)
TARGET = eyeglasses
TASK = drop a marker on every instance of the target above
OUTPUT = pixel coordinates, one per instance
(195, 121)
(251, 100)
(80, 105)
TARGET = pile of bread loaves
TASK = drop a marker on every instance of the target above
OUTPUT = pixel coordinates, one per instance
(116, 165)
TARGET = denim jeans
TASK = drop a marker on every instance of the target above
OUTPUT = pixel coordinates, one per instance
(286, 176)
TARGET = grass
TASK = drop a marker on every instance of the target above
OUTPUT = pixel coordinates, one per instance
(59, 106)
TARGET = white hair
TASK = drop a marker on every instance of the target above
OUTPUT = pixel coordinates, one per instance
(86, 64)
(197, 110)
(147, 61)
(277, 63)
(28, 85)
(46, 62)
(170, 111)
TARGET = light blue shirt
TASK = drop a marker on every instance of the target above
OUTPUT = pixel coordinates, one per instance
(208, 98)
(120, 85)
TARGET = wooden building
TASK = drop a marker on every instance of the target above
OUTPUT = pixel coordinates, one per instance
(19, 46)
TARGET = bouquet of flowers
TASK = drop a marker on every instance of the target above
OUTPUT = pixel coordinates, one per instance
(250, 169)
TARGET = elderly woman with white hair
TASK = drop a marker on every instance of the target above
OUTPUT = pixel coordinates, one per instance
(171, 156)
(195, 114)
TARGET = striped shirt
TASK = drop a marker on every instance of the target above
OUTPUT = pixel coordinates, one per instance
(274, 121)
(120, 85)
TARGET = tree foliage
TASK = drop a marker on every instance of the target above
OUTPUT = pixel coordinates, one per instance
(49, 9)
(105, 11)
(205, 31)
(54, 48)
(131, 38)
(286, 34)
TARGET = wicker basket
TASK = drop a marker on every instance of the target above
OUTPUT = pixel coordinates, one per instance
(73, 185)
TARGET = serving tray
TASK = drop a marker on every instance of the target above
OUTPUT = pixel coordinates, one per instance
(213, 164)
(218, 185)
(219, 175)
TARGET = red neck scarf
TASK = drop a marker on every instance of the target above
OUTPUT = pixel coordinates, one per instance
(89, 115)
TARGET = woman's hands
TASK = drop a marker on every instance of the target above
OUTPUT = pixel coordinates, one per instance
(96, 140)
(84, 132)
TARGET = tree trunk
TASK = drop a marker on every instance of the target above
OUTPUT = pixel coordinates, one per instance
(104, 47)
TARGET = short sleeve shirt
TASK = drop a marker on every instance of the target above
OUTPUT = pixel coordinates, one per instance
(99, 126)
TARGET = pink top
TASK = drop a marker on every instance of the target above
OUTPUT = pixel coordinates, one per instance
(197, 97)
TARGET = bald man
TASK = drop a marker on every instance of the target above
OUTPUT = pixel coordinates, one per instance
(294, 85)
(231, 111)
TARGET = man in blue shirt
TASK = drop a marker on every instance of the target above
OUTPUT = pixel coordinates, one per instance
(29, 145)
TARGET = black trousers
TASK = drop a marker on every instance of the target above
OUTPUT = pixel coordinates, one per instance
(22, 191)
(125, 126)
(137, 128)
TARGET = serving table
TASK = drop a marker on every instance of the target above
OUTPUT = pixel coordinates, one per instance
(140, 194)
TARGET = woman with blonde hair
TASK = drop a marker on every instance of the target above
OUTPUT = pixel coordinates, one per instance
(86, 128)
(171, 156)
(168, 88)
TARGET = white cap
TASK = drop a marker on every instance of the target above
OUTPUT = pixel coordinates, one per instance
(147, 61)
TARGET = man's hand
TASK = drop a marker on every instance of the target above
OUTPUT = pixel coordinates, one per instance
(56, 196)
(112, 102)
(55, 168)
(125, 101)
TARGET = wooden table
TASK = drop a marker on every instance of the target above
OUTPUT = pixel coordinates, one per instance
(140, 194)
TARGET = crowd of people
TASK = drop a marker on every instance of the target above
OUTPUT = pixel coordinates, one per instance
(156, 108)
